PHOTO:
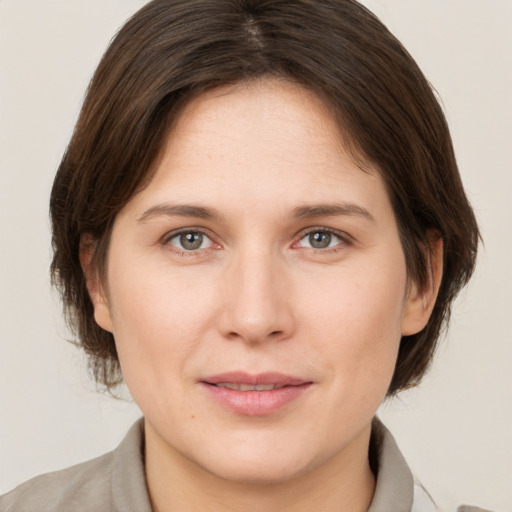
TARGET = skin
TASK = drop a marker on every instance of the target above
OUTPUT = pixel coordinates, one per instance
(256, 296)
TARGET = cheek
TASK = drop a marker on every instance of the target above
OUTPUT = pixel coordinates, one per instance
(158, 321)
(356, 320)
(358, 299)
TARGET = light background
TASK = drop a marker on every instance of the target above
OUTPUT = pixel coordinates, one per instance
(454, 430)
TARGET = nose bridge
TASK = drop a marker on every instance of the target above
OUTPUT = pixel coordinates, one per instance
(256, 307)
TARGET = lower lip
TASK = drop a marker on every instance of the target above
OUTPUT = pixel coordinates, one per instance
(256, 403)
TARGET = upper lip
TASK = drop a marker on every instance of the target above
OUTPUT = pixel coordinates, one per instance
(239, 377)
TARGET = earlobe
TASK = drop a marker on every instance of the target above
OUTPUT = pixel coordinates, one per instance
(94, 287)
(420, 301)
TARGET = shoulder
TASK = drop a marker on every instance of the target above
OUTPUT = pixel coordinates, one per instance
(84, 487)
(111, 483)
(396, 488)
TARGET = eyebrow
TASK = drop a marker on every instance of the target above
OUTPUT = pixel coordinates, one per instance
(300, 212)
(180, 210)
(335, 209)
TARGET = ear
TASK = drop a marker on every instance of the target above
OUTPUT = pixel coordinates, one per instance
(94, 286)
(420, 301)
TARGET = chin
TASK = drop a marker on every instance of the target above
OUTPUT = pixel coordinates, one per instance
(269, 461)
(261, 472)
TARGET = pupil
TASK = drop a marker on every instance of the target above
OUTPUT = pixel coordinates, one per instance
(191, 241)
(319, 240)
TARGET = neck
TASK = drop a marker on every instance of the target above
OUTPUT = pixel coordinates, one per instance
(343, 483)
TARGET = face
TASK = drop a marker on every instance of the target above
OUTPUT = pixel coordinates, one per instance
(257, 289)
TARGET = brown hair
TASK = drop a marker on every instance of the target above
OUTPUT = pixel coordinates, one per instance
(173, 50)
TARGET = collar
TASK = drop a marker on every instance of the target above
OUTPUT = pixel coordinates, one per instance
(395, 484)
(128, 484)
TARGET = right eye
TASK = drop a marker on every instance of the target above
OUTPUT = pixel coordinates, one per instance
(189, 241)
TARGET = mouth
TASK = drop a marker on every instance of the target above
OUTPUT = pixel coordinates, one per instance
(248, 387)
(255, 395)
(275, 379)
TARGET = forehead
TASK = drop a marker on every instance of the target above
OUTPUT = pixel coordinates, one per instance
(272, 104)
(265, 141)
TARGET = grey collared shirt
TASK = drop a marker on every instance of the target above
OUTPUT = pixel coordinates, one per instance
(115, 482)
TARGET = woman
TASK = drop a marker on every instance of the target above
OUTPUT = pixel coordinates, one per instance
(260, 227)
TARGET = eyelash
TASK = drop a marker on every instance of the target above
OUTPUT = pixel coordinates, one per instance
(344, 240)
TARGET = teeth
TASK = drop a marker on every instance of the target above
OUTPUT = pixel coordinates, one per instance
(228, 385)
(248, 387)
(266, 387)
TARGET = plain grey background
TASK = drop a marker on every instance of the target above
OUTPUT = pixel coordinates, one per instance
(454, 429)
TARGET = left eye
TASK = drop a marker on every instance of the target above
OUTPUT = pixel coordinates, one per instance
(320, 240)
(190, 241)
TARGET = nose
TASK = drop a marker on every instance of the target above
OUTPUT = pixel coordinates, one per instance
(256, 305)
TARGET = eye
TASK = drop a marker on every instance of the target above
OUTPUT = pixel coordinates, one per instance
(189, 241)
(321, 239)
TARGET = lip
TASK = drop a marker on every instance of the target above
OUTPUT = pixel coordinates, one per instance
(255, 403)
